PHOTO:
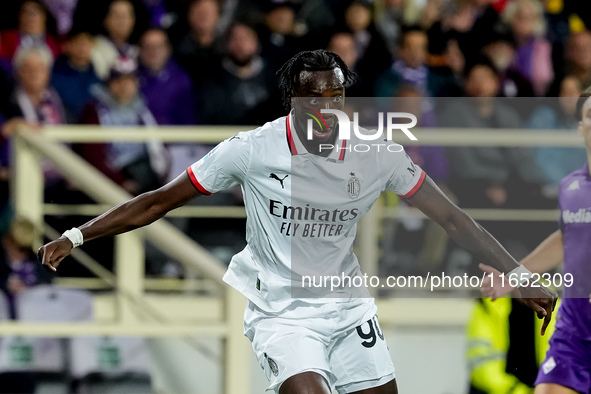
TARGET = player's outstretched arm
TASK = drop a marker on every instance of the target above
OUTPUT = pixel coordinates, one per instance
(137, 212)
(475, 239)
(460, 227)
(548, 255)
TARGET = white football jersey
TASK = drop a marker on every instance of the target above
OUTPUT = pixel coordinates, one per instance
(302, 209)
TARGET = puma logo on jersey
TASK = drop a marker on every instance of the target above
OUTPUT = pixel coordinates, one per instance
(549, 365)
(574, 186)
(273, 176)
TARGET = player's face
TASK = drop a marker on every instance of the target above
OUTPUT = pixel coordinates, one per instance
(585, 124)
(319, 90)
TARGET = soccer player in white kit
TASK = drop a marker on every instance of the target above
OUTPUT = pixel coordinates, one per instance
(302, 205)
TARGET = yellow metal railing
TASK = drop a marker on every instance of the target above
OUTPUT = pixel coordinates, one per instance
(133, 316)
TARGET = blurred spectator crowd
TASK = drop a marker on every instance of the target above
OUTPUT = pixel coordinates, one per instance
(190, 62)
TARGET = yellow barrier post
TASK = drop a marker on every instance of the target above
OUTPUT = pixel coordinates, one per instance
(237, 374)
(27, 184)
(129, 268)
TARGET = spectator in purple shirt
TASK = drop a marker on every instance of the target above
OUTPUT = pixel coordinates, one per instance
(166, 87)
(533, 57)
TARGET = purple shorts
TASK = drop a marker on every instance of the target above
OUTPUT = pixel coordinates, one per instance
(567, 363)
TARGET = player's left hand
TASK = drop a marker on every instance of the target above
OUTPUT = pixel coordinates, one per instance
(541, 299)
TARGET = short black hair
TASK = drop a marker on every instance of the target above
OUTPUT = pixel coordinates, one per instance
(269, 6)
(75, 32)
(192, 3)
(155, 29)
(240, 22)
(482, 61)
(582, 99)
(39, 3)
(318, 60)
(405, 30)
(500, 36)
(366, 3)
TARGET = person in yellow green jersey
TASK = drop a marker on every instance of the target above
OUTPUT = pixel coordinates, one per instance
(505, 348)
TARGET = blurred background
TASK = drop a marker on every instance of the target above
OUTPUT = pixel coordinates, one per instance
(103, 100)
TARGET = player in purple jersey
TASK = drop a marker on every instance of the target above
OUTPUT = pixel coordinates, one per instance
(567, 367)
(321, 76)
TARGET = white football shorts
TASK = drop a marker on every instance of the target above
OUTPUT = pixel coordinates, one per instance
(342, 342)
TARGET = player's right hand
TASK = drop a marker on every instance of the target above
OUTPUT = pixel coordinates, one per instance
(53, 253)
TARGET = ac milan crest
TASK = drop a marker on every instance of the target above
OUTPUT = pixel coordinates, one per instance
(272, 365)
(353, 186)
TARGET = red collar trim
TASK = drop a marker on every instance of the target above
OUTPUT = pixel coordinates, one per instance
(290, 141)
(292, 146)
(342, 155)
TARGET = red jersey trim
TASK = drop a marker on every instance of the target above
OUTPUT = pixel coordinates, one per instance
(292, 146)
(416, 187)
(342, 155)
(196, 183)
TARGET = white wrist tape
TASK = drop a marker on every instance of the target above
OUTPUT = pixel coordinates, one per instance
(521, 273)
(75, 236)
